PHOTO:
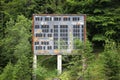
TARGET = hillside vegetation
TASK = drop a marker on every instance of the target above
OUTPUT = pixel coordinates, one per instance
(99, 58)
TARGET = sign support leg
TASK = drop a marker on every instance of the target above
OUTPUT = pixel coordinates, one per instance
(59, 64)
(34, 66)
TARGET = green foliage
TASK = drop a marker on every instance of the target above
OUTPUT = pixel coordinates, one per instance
(106, 65)
(95, 70)
(51, 6)
(15, 48)
(65, 76)
(17, 35)
(7, 73)
(19, 71)
(46, 68)
(103, 23)
(44, 73)
(83, 48)
(22, 69)
(111, 61)
(99, 37)
(14, 8)
(80, 62)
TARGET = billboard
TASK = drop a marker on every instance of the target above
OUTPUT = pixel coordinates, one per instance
(54, 34)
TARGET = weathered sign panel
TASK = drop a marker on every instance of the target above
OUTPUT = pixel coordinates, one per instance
(54, 34)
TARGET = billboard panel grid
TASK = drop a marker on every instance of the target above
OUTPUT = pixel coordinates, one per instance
(55, 34)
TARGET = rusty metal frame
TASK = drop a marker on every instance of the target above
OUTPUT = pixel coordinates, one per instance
(85, 37)
(33, 34)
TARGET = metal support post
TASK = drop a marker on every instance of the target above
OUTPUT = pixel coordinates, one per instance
(34, 66)
(59, 64)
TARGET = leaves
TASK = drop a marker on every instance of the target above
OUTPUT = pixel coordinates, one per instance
(99, 38)
(111, 61)
(7, 73)
(103, 25)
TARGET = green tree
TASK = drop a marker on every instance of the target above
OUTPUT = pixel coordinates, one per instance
(85, 49)
(7, 72)
(50, 6)
(14, 8)
(103, 18)
(95, 69)
(16, 41)
(103, 22)
(78, 62)
(22, 69)
(7, 49)
(111, 61)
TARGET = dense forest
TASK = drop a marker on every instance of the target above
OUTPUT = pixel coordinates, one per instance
(99, 58)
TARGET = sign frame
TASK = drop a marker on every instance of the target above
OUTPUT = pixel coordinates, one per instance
(33, 23)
